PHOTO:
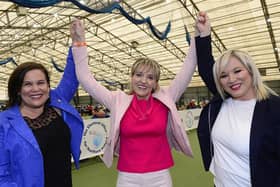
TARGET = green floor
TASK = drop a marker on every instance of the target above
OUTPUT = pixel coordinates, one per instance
(187, 172)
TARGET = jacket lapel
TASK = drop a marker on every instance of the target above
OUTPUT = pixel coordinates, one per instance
(58, 103)
(214, 111)
(257, 127)
(18, 123)
(125, 100)
(125, 104)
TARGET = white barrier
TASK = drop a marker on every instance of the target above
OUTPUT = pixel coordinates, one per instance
(190, 118)
(96, 132)
(94, 137)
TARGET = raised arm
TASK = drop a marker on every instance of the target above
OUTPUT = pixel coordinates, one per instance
(184, 76)
(205, 59)
(86, 79)
(68, 84)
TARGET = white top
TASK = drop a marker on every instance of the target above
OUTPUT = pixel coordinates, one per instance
(231, 137)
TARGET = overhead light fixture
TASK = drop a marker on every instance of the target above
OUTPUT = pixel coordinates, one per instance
(35, 25)
(134, 44)
(268, 20)
(21, 11)
(82, 2)
(230, 29)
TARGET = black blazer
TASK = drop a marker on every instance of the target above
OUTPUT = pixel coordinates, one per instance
(265, 130)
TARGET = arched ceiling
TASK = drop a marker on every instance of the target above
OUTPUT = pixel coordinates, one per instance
(42, 34)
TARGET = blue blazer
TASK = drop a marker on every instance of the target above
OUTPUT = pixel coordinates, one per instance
(21, 161)
(265, 130)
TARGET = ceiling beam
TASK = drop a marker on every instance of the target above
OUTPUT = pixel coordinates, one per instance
(123, 46)
(218, 42)
(167, 43)
(270, 30)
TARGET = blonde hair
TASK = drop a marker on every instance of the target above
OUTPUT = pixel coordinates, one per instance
(145, 63)
(262, 91)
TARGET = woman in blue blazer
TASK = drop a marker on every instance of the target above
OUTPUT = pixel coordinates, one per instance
(40, 129)
(239, 130)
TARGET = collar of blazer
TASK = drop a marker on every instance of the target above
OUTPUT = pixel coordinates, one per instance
(17, 122)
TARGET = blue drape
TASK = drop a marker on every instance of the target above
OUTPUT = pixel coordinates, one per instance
(56, 66)
(5, 61)
(36, 3)
(107, 9)
(188, 37)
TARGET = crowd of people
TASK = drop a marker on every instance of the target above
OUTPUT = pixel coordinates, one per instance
(95, 111)
(238, 128)
(195, 104)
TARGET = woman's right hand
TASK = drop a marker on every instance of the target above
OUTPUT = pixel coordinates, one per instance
(203, 24)
(77, 31)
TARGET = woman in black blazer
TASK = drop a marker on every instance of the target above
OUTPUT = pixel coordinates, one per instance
(239, 130)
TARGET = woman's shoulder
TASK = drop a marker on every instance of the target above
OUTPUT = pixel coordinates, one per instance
(274, 100)
(10, 111)
(7, 114)
(271, 106)
(273, 111)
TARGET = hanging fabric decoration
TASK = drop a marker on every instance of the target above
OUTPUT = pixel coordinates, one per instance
(156, 33)
(59, 69)
(56, 66)
(107, 9)
(188, 36)
(36, 3)
(184, 20)
(5, 61)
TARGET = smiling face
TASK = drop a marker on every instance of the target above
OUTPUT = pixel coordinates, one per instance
(34, 91)
(143, 82)
(145, 75)
(236, 80)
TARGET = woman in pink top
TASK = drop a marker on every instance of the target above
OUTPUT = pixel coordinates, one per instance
(145, 123)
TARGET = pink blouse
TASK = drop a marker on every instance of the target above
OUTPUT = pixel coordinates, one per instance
(144, 145)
